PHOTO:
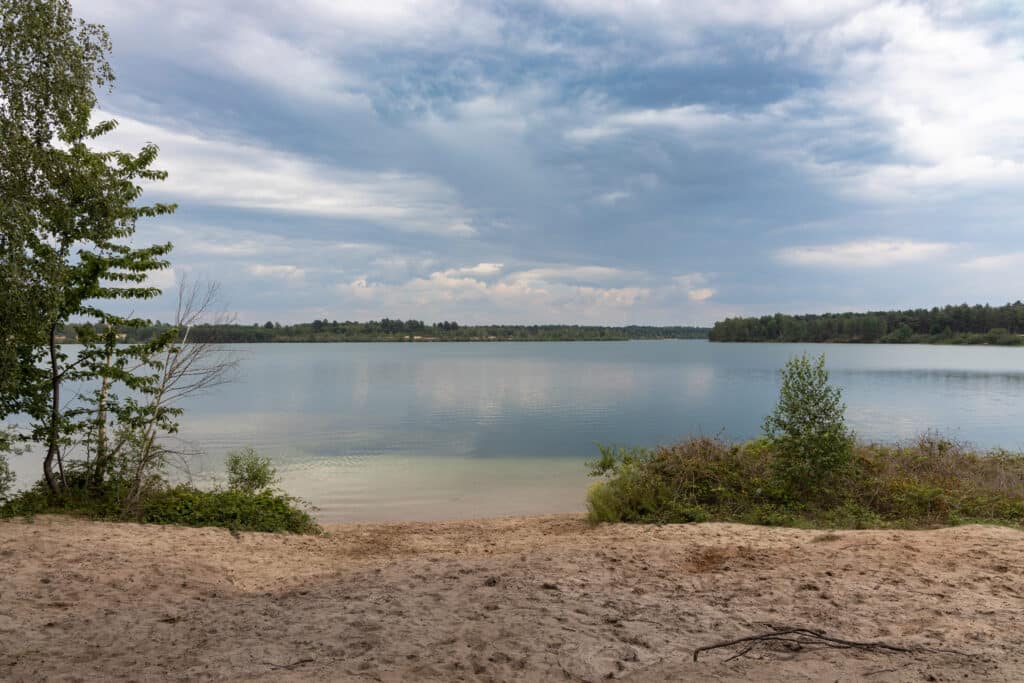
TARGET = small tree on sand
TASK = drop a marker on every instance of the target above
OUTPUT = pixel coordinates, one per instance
(807, 429)
(249, 472)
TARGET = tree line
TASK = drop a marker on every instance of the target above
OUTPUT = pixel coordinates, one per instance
(961, 324)
(387, 329)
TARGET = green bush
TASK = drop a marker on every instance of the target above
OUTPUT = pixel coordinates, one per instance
(248, 505)
(807, 430)
(930, 482)
(183, 505)
(232, 509)
(249, 472)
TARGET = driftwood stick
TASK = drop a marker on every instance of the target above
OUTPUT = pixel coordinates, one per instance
(808, 636)
(291, 665)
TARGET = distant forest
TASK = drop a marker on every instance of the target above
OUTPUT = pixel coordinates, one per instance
(963, 324)
(387, 330)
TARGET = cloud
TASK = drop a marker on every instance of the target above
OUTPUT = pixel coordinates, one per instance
(935, 94)
(688, 119)
(547, 293)
(161, 279)
(999, 262)
(480, 269)
(250, 176)
(865, 254)
(567, 273)
(613, 197)
(693, 285)
(702, 294)
(593, 148)
(288, 67)
(281, 272)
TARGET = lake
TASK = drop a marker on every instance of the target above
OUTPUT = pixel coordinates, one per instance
(455, 430)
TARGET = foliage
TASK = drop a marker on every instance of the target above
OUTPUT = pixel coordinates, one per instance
(929, 482)
(7, 447)
(6, 477)
(963, 324)
(236, 509)
(807, 430)
(249, 472)
(69, 214)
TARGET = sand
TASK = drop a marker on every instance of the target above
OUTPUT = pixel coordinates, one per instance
(540, 598)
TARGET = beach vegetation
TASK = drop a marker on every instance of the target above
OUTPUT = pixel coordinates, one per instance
(808, 470)
(238, 507)
(807, 430)
(249, 472)
(930, 481)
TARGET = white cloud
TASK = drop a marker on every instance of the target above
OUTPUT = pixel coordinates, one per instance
(245, 175)
(281, 272)
(694, 118)
(566, 273)
(425, 24)
(702, 294)
(694, 284)
(291, 68)
(161, 279)
(546, 293)
(302, 48)
(613, 197)
(1000, 262)
(480, 269)
(864, 254)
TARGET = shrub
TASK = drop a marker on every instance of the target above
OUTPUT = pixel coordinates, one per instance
(694, 480)
(929, 482)
(184, 505)
(249, 472)
(807, 430)
(248, 505)
(232, 509)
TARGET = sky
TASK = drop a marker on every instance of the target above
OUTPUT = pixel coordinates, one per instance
(578, 161)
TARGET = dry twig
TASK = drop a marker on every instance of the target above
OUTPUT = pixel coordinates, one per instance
(807, 636)
(291, 665)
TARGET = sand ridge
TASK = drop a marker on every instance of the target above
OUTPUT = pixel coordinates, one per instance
(532, 599)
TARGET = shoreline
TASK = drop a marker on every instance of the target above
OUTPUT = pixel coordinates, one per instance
(512, 598)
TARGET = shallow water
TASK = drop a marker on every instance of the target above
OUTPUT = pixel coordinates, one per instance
(455, 430)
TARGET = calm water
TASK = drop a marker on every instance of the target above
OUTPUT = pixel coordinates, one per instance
(432, 431)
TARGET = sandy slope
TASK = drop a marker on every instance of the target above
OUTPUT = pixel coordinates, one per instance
(544, 598)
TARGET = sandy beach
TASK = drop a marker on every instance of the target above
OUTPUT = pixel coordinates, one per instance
(536, 598)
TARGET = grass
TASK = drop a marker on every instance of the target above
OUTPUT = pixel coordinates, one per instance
(927, 483)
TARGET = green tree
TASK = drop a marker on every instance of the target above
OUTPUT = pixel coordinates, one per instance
(807, 429)
(68, 214)
(249, 472)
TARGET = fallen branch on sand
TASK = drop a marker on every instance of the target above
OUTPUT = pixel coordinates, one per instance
(797, 638)
(292, 665)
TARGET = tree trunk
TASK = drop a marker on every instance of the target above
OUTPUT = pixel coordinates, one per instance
(54, 435)
(102, 452)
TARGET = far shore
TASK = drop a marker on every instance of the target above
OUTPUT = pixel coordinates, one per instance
(519, 598)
